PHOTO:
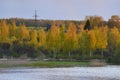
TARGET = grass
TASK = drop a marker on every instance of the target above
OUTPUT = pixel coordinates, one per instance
(59, 64)
(48, 64)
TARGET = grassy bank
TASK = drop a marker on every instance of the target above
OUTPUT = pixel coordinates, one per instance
(59, 64)
(49, 64)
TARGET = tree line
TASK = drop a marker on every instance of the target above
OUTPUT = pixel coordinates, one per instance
(94, 20)
(81, 42)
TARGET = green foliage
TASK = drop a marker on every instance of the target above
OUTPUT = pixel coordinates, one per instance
(117, 50)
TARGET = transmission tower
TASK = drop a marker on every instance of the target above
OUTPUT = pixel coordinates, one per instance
(36, 16)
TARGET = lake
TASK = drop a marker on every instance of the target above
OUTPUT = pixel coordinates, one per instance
(73, 73)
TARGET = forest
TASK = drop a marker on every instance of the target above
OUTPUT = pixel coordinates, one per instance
(84, 41)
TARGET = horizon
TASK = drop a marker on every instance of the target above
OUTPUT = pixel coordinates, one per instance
(60, 19)
(59, 10)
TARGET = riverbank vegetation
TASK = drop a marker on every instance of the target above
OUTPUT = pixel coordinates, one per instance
(42, 64)
(82, 42)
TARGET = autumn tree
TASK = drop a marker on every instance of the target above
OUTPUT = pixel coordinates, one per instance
(113, 38)
(92, 41)
(0, 34)
(4, 30)
(101, 38)
(12, 28)
(71, 40)
(83, 40)
(95, 21)
(53, 40)
(23, 33)
(80, 28)
(42, 38)
(62, 36)
(33, 37)
(4, 39)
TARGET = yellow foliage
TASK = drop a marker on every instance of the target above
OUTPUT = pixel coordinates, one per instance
(92, 39)
(33, 37)
(113, 37)
(23, 32)
(71, 38)
(42, 38)
(12, 28)
(101, 37)
(4, 29)
(53, 38)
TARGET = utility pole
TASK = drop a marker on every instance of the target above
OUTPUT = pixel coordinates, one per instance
(35, 16)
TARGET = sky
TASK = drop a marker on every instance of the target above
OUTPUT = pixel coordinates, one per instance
(59, 9)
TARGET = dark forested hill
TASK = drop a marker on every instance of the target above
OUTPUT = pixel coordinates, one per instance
(43, 23)
(94, 21)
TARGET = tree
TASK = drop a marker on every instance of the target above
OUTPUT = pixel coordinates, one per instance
(4, 30)
(83, 40)
(71, 40)
(53, 40)
(23, 33)
(115, 57)
(62, 36)
(33, 37)
(80, 28)
(12, 28)
(87, 25)
(101, 38)
(42, 38)
(92, 41)
(113, 38)
(95, 21)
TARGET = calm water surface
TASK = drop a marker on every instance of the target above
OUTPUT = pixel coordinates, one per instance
(73, 73)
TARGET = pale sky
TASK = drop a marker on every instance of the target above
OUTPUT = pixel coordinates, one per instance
(59, 9)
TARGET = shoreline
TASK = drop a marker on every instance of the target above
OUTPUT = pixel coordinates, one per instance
(48, 64)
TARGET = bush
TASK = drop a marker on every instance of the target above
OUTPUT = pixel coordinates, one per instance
(114, 60)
